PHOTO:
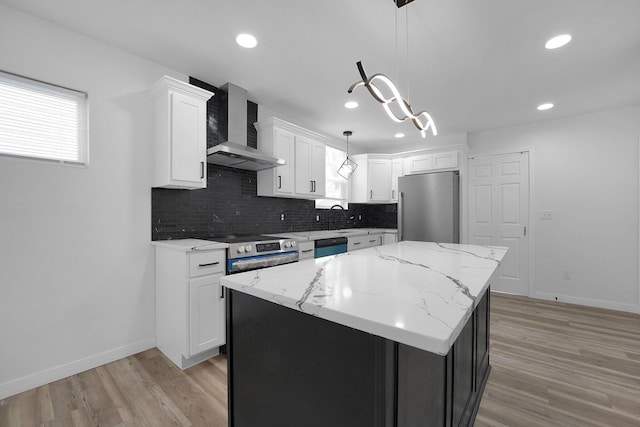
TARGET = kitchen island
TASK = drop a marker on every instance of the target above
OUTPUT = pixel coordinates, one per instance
(395, 335)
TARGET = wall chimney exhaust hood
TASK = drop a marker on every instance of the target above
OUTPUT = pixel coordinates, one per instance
(234, 152)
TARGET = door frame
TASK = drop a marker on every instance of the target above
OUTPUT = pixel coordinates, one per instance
(638, 301)
(532, 223)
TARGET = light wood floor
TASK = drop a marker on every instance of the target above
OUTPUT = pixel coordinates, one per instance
(557, 364)
(553, 365)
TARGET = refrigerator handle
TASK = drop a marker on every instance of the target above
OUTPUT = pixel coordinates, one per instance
(400, 206)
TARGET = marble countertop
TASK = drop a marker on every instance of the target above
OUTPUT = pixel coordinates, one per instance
(187, 245)
(416, 293)
(327, 234)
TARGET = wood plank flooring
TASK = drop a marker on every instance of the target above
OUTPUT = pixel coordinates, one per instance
(557, 364)
(553, 365)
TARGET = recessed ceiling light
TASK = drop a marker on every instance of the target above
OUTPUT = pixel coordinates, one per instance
(558, 41)
(546, 106)
(246, 40)
(399, 135)
(351, 105)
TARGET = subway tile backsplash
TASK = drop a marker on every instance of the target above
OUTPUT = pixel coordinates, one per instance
(229, 204)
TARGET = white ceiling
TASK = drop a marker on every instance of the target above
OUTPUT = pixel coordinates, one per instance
(472, 64)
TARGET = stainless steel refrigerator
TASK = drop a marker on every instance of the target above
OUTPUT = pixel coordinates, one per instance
(429, 207)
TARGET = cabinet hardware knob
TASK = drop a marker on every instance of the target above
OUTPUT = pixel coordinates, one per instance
(201, 170)
(221, 292)
(279, 181)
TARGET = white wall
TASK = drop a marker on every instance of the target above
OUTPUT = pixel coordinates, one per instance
(585, 170)
(76, 263)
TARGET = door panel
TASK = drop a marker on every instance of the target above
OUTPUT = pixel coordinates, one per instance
(499, 213)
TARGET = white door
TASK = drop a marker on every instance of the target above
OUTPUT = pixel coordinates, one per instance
(499, 215)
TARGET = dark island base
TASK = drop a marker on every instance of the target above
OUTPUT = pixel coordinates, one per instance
(287, 368)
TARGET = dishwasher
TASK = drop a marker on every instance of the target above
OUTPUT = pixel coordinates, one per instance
(332, 246)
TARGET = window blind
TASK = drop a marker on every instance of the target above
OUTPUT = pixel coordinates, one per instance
(43, 121)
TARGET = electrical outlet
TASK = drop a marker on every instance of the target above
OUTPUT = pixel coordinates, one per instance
(281, 217)
(359, 217)
(547, 215)
(317, 218)
(565, 275)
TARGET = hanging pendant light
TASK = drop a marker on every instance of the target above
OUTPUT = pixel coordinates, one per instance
(422, 120)
(348, 166)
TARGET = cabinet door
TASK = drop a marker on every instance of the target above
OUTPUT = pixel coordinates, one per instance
(284, 149)
(188, 139)
(303, 179)
(206, 314)
(390, 238)
(310, 167)
(396, 172)
(379, 179)
(319, 168)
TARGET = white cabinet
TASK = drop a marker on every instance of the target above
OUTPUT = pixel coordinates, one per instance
(304, 151)
(431, 162)
(310, 159)
(278, 142)
(371, 181)
(306, 249)
(389, 237)
(396, 172)
(190, 305)
(361, 242)
(180, 134)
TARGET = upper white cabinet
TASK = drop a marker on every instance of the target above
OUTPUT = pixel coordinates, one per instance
(310, 159)
(304, 174)
(396, 172)
(371, 181)
(180, 134)
(431, 162)
(278, 142)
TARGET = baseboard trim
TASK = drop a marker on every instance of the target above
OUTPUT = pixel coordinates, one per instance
(589, 302)
(47, 376)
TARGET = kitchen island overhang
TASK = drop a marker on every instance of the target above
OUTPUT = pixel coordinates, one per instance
(396, 321)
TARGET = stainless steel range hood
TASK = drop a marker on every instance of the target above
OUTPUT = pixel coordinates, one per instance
(235, 153)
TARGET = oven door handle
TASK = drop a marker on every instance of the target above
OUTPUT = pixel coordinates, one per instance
(261, 261)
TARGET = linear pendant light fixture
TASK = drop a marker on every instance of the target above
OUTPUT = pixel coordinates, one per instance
(423, 120)
(348, 166)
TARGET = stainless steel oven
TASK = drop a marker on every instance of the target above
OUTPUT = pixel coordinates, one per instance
(252, 252)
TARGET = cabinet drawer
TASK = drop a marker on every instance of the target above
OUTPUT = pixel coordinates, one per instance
(209, 262)
(361, 242)
(306, 249)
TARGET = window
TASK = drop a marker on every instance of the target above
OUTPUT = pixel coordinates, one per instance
(42, 121)
(336, 186)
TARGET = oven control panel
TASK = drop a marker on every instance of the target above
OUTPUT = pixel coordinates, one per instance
(244, 250)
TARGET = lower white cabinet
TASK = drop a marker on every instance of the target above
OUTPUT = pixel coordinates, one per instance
(389, 237)
(307, 249)
(361, 242)
(190, 304)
